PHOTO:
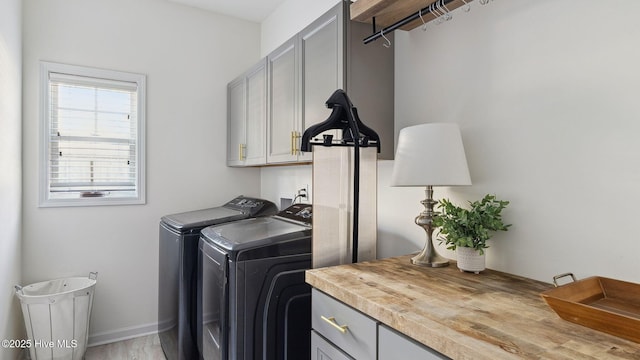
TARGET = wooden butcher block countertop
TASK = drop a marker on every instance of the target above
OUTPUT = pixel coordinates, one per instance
(491, 315)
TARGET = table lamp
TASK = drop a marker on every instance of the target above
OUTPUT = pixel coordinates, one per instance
(430, 155)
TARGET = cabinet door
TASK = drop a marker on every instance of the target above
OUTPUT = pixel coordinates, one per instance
(236, 119)
(255, 151)
(322, 60)
(321, 349)
(283, 109)
(393, 346)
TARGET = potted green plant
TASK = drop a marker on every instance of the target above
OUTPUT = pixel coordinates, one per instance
(467, 230)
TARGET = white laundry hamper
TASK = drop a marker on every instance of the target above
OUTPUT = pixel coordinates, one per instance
(56, 315)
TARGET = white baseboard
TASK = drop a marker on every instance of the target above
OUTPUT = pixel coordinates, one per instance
(122, 334)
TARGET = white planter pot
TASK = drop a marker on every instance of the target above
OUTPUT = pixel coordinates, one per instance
(469, 259)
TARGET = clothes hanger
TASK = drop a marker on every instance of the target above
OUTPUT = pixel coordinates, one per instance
(467, 7)
(433, 10)
(447, 15)
(344, 116)
(424, 23)
(388, 43)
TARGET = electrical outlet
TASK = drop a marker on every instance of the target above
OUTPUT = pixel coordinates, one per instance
(303, 193)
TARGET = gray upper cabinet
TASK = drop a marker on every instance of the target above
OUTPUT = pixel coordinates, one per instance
(370, 84)
(322, 48)
(255, 153)
(236, 121)
(333, 56)
(283, 101)
(247, 117)
(303, 72)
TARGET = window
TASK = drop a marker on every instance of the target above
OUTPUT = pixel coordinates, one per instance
(92, 136)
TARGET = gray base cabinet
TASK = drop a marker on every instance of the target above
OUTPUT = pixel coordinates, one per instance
(340, 332)
(393, 346)
(321, 349)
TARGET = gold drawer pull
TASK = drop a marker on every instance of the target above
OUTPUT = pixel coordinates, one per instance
(332, 322)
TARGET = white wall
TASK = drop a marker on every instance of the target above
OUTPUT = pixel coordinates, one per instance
(288, 19)
(10, 177)
(188, 55)
(284, 182)
(546, 94)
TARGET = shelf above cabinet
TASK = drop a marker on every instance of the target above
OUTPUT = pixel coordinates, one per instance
(388, 12)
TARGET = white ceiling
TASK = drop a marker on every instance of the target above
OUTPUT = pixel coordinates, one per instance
(252, 10)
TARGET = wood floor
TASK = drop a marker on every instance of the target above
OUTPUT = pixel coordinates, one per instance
(142, 348)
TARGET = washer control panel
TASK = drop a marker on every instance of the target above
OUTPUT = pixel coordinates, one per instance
(301, 213)
(252, 206)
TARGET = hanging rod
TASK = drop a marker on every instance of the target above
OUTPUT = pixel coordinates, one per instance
(378, 34)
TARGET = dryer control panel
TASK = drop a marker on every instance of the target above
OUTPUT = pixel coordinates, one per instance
(252, 206)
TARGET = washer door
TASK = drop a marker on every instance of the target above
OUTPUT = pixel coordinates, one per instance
(212, 302)
(286, 318)
(273, 318)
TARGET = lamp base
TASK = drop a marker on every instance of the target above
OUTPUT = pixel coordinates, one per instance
(428, 256)
(430, 260)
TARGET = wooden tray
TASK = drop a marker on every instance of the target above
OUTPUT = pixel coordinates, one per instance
(607, 305)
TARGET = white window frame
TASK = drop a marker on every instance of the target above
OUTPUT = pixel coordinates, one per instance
(45, 200)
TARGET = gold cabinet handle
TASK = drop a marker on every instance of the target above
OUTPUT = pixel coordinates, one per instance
(241, 151)
(293, 143)
(296, 136)
(332, 322)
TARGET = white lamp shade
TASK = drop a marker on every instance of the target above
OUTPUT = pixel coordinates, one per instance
(430, 154)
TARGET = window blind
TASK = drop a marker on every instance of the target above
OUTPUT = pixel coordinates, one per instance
(92, 135)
